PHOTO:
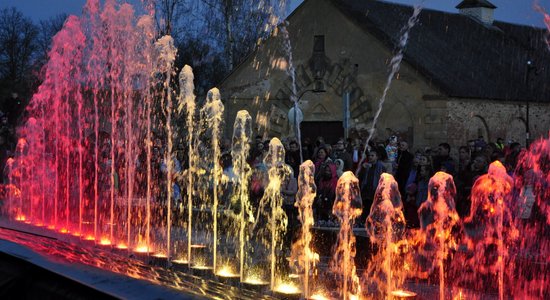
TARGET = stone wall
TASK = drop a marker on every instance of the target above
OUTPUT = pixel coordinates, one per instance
(494, 119)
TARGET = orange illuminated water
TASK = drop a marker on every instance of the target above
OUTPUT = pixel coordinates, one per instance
(287, 288)
(347, 207)
(319, 297)
(20, 218)
(105, 242)
(254, 280)
(403, 294)
(64, 230)
(438, 217)
(143, 249)
(227, 271)
(302, 255)
(385, 226)
(180, 261)
(121, 246)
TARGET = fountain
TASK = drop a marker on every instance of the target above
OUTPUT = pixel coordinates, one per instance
(487, 230)
(242, 131)
(95, 168)
(347, 207)
(302, 254)
(386, 228)
(438, 217)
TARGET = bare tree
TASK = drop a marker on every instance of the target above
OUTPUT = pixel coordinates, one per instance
(17, 45)
(170, 14)
(48, 29)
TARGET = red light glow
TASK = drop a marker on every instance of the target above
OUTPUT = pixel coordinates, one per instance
(143, 249)
(105, 242)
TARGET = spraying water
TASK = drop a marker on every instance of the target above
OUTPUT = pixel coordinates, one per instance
(167, 54)
(187, 100)
(211, 115)
(438, 216)
(395, 64)
(291, 71)
(347, 207)
(271, 209)
(532, 219)
(488, 228)
(385, 227)
(302, 253)
(242, 131)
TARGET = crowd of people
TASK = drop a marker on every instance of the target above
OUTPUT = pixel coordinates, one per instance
(411, 169)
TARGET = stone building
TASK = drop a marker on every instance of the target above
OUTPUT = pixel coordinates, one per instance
(463, 74)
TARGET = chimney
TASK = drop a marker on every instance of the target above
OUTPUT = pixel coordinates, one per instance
(481, 10)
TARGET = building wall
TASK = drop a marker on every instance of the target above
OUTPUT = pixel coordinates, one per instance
(413, 108)
(493, 119)
(356, 62)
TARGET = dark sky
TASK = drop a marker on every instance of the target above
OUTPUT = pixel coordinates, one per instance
(514, 11)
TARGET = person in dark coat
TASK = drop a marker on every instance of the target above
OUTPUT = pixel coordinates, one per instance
(404, 165)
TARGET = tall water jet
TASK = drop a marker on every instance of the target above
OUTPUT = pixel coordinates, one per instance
(271, 220)
(187, 100)
(395, 64)
(167, 55)
(347, 207)
(291, 71)
(211, 116)
(489, 230)
(302, 254)
(437, 217)
(240, 148)
(386, 227)
(531, 184)
(102, 69)
(147, 36)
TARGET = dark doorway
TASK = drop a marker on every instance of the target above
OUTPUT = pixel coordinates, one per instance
(331, 131)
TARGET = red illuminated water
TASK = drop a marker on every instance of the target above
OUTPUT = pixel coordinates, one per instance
(84, 160)
(95, 160)
(489, 231)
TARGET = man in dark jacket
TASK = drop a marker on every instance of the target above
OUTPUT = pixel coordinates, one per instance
(369, 176)
(404, 165)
